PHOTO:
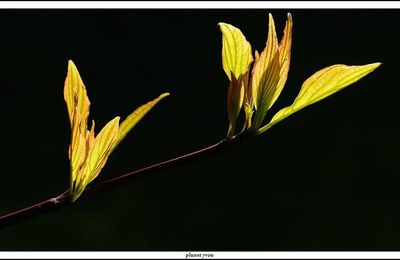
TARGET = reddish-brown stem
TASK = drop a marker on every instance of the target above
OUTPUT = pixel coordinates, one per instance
(37, 209)
(62, 200)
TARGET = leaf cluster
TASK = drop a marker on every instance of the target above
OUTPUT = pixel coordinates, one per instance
(255, 88)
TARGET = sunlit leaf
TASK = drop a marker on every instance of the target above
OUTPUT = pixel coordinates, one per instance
(285, 47)
(135, 117)
(248, 99)
(265, 75)
(75, 95)
(77, 149)
(90, 137)
(235, 100)
(248, 103)
(101, 149)
(96, 157)
(236, 51)
(236, 60)
(321, 85)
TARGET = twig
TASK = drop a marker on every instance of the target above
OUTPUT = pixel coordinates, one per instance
(63, 200)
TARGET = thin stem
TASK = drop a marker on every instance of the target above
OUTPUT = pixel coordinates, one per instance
(190, 157)
(48, 205)
(62, 200)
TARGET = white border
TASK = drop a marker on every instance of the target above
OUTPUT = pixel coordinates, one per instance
(200, 4)
(216, 255)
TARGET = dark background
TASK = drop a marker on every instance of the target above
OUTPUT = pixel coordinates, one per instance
(326, 178)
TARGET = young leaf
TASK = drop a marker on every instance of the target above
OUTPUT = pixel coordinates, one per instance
(321, 85)
(285, 47)
(90, 137)
(248, 96)
(77, 148)
(134, 118)
(236, 51)
(235, 100)
(236, 60)
(75, 95)
(97, 157)
(265, 75)
(101, 149)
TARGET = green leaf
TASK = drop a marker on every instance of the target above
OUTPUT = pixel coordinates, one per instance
(266, 73)
(135, 117)
(75, 96)
(236, 60)
(101, 149)
(235, 101)
(321, 85)
(236, 51)
(285, 47)
(96, 157)
(248, 103)
(77, 149)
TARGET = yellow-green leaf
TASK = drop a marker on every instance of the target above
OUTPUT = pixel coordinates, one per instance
(135, 117)
(265, 75)
(235, 101)
(75, 95)
(90, 137)
(236, 51)
(77, 149)
(248, 96)
(321, 85)
(285, 47)
(101, 149)
(96, 157)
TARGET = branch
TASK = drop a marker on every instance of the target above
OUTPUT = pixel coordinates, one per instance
(63, 200)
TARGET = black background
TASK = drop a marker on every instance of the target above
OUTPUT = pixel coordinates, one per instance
(326, 178)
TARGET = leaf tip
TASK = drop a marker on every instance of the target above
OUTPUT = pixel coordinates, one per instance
(372, 66)
(221, 24)
(166, 94)
(117, 118)
(271, 19)
(376, 64)
(71, 64)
